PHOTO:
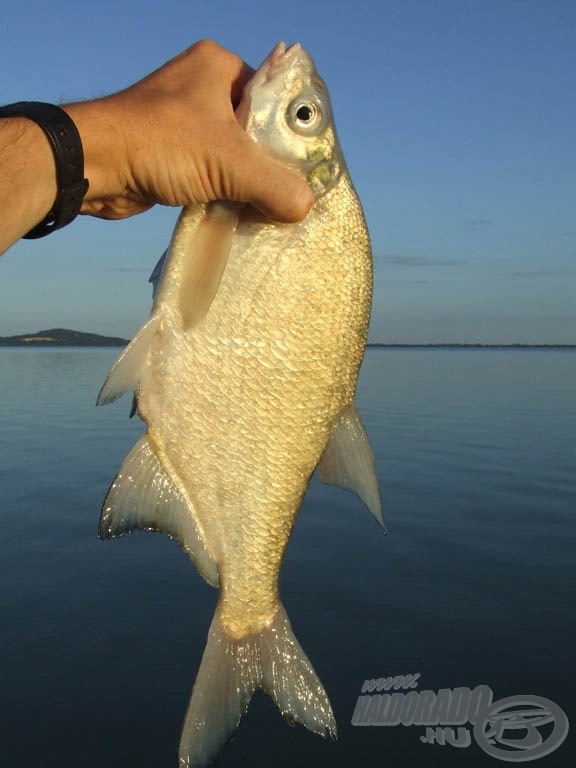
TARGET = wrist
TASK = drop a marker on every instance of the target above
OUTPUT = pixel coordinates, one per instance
(104, 152)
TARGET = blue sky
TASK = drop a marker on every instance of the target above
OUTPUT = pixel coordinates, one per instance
(457, 119)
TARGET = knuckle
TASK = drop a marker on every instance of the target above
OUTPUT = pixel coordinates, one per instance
(213, 54)
(207, 47)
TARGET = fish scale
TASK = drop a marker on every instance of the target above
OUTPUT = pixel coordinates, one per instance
(245, 376)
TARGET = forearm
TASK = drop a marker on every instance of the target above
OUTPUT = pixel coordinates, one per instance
(28, 169)
(27, 178)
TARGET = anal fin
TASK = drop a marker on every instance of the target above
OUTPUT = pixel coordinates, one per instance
(143, 497)
(348, 461)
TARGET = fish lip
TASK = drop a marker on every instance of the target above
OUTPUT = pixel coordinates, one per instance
(278, 62)
(281, 59)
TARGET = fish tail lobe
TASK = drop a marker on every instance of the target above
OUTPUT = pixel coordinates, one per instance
(232, 670)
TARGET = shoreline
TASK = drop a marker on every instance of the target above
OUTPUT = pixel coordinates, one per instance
(63, 337)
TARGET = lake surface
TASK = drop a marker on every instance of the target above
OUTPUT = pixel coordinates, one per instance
(474, 583)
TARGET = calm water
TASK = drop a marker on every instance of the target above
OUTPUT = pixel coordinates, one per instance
(474, 584)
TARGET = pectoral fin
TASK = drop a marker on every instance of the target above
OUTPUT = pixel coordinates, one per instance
(348, 461)
(143, 497)
(206, 258)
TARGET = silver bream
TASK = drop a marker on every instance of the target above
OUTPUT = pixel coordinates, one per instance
(245, 374)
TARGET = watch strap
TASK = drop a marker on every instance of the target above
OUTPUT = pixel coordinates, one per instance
(69, 156)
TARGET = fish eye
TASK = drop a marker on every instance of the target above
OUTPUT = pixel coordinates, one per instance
(305, 117)
(306, 113)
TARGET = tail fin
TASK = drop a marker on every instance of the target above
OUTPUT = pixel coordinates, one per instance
(232, 670)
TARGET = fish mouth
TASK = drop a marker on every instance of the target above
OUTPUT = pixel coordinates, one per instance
(281, 58)
(280, 61)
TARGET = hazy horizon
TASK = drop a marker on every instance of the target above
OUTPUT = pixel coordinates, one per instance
(370, 342)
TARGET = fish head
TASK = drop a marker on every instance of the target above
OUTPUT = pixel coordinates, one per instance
(285, 108)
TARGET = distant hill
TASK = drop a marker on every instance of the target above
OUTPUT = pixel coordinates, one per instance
(61, 337)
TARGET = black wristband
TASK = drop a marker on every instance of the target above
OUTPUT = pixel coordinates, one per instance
(67, 147)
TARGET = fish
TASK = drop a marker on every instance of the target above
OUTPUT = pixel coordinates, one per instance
(245, 375)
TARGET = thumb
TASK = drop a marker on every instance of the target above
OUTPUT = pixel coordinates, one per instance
(274, 190)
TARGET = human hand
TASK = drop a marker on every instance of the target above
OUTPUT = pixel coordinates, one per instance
(172, 138)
